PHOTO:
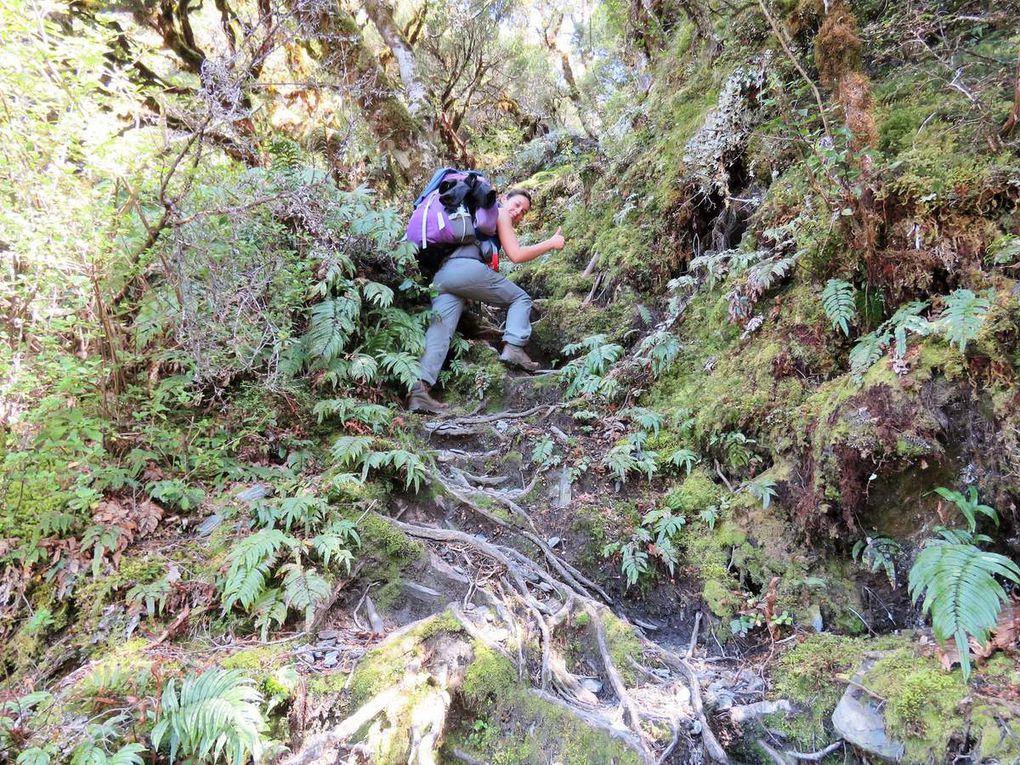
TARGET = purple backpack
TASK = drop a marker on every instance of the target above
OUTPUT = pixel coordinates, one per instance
(454, 209)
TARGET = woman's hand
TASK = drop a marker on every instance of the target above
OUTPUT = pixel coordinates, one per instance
(556, 241)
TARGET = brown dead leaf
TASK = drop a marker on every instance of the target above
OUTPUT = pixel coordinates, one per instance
(149, 515)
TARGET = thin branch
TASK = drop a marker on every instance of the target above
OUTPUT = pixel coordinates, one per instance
(793, 60)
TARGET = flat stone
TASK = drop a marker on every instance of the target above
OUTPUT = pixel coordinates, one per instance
(210, 524)
(421, 591)
(860, 721)
(331, 660)
(329, 634)
(252, 493)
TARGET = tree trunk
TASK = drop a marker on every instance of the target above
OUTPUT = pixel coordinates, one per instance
(381, 15)
(551, 35)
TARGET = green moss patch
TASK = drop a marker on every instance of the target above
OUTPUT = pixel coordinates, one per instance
(530, 730)
(923, 702)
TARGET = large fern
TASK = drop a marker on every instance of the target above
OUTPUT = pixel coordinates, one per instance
(213, 716)
(838, 302)
(960, 589)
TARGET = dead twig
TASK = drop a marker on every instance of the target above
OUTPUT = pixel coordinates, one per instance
(815, 756)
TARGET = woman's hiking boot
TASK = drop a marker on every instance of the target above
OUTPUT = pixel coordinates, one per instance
(419, 400)
(514, 355)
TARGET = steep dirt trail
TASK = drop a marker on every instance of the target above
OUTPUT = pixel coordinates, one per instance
(509, 565)
(494, 507)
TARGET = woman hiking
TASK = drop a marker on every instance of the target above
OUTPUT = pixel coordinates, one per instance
(465, 275)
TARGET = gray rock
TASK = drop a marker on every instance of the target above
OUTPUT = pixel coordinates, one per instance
(816, 618)
(331, 660)
(252, 493)
(210, 524)
(860, 721)
(328, 634)
(563, 490)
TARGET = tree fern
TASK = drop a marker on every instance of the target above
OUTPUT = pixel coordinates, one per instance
(214, 716)
(963, 317)
(838, 303)
(961, 592)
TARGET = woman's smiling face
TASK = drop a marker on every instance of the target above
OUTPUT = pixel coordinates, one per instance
(517, 207)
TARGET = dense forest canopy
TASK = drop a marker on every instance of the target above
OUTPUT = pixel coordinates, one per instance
(759, 505)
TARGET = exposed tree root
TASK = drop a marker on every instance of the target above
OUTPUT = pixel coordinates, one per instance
(539, 604)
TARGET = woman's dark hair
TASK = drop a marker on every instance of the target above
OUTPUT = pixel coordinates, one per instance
(519, 193)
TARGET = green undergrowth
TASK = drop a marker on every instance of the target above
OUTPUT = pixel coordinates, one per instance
(926, 708)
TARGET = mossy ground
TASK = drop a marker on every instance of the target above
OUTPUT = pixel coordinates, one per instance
(507, 725)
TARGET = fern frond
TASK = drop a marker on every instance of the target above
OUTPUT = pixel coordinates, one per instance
(303, 589)
(215, 715)
(403, 366)
(659, 350)
(838, 303)
(684, 458)
(958, 582)
(963, 317)
(351, 450)
(868, 349)
(331, 325)
(647, 419)
(377, 294)
(251, 562)
(620, 460)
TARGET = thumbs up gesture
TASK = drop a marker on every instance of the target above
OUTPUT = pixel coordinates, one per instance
(556, 241)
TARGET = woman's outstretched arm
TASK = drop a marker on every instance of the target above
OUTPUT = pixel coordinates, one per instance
(517, 252)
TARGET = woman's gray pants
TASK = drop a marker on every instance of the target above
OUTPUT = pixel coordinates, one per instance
(467, 278)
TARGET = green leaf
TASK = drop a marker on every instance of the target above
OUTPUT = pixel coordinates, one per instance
(215, 714)
(377, 294)
(838, 303)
